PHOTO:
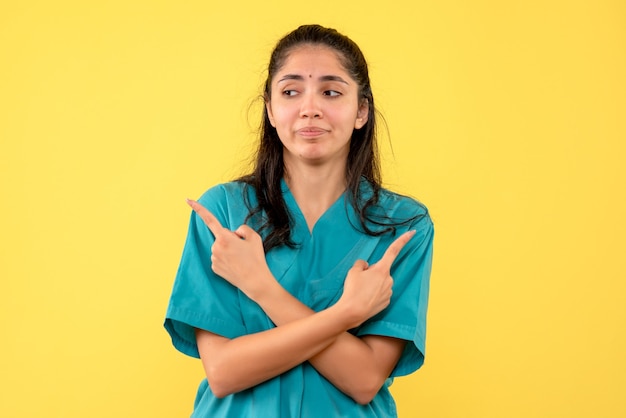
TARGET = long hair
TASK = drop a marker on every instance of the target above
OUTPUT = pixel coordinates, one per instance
(363, 159)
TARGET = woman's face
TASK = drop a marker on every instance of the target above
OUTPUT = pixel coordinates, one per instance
(314, 107)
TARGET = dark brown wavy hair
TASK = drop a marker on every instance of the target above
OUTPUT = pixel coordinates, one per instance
(363, 159)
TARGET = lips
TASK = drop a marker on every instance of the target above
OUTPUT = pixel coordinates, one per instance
(311, 131)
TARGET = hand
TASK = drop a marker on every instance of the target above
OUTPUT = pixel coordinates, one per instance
(367, 289)
(236, 256)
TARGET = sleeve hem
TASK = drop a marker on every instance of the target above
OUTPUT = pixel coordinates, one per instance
(181, 324)
(413, 356)
(388, 329)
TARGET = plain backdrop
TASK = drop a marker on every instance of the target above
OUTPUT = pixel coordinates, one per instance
(506, 118)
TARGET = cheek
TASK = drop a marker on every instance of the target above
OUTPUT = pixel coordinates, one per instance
(349, 120)
(282, 116)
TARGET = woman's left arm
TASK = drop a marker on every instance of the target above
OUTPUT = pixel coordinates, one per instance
(358, 366)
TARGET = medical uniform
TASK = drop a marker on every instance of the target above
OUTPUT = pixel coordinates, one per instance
(313, 272)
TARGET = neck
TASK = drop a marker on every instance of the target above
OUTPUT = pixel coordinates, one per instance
(315, 188)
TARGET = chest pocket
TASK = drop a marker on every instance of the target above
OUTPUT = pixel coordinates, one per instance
(321, 277)
(320, 293)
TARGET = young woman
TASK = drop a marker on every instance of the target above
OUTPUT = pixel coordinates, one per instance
(303, 286)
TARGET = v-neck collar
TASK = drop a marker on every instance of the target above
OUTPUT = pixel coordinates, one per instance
(300, 228)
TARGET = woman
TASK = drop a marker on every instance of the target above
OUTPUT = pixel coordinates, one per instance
(303, 286)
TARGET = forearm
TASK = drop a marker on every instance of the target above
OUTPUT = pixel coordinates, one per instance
(243, 362)
(348, 362)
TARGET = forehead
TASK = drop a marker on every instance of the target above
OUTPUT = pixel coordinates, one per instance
(313, 60)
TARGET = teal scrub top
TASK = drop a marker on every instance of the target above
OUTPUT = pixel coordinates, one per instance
(313, 272)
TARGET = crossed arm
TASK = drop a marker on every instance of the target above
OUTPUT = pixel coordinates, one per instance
(358, 366)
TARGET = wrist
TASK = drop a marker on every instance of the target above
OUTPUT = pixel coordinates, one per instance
(347, 314)
(265, 287)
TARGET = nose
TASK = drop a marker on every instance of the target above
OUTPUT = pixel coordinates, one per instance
(310, 106)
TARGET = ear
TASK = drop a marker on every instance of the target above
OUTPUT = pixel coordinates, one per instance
(362, 114)
(268, 108)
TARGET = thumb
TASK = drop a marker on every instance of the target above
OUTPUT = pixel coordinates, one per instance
(244, 232)
(360, 265)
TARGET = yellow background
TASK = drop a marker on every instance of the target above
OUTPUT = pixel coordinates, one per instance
(507, 118)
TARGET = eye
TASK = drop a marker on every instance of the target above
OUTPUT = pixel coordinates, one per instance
(332, 93)
(289, 93)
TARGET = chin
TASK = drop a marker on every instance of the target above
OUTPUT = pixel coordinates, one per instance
(312, 153)
(312, 159)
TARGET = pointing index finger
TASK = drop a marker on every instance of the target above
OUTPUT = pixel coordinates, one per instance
(394, 249)
(209, 219)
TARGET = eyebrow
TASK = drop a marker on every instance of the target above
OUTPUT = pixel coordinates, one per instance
(298, 77)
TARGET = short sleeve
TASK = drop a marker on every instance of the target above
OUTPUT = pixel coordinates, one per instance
(405, 317)
(200, 298)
